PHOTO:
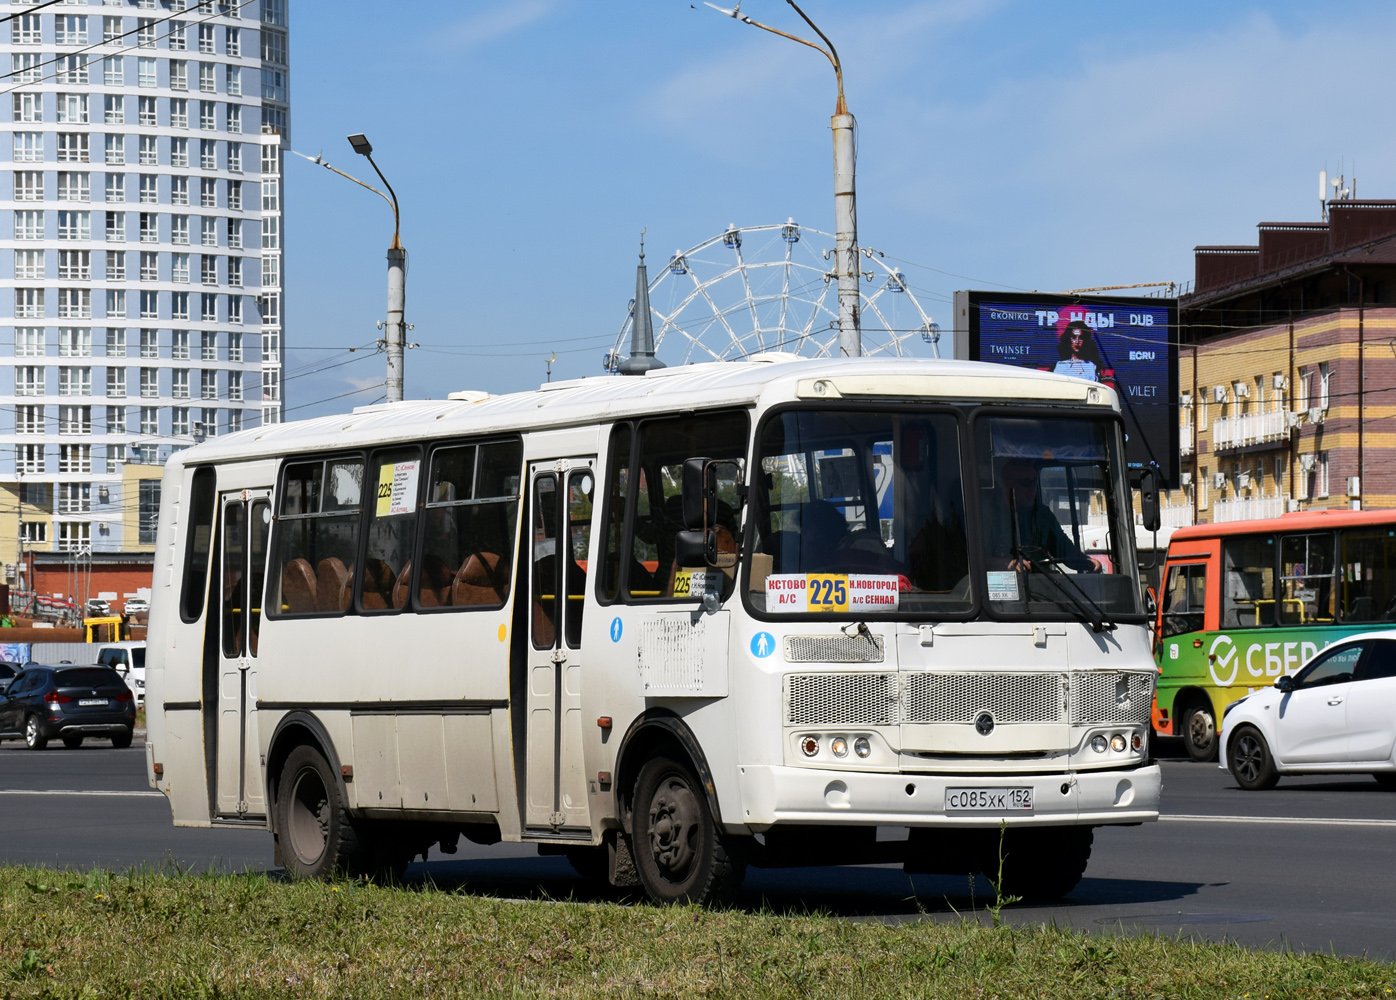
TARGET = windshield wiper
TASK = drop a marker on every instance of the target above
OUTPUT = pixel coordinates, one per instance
(1080, 599)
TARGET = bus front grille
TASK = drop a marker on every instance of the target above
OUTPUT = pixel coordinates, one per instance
(865, 648)
(1120, 698)
(866, 699)
(963, 697)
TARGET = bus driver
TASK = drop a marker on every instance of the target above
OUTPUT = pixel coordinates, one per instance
(1037, 532)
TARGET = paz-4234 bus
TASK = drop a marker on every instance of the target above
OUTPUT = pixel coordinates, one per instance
(1244, 602)
(667, 626)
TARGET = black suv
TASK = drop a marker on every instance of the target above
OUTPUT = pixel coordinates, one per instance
(67, 702)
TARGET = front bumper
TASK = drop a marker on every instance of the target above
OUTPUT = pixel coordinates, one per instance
(774, 794)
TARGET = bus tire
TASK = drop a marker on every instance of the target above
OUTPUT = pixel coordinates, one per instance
(1199, 731)
(314, 834)
(1040, 864)
(680, 855)
(1250, 762)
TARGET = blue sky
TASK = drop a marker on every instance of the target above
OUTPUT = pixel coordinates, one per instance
(1021, 144)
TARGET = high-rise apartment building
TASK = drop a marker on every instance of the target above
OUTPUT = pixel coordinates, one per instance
(140, 256)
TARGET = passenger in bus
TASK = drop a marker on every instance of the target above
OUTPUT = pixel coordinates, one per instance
(1037, 532)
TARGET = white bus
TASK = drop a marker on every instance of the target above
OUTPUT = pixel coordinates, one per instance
(667, 626)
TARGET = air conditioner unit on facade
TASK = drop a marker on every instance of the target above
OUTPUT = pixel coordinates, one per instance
(1243, 480)
(1307, 463)
(1218, 480)
(1219, 394)
(1280, 382)
(1185, 478)
(1185, 400)
(1242, 389)
(1315, 415)
(1354, 486)
(1292, 507)
(1293, 420)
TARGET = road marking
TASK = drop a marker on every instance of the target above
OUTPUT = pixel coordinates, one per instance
(1279, 820)
(65, 791)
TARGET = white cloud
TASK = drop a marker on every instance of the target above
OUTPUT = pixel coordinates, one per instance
(494, 24)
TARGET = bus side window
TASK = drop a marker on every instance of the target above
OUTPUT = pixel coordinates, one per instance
(1368, 575)
(317, 538)
(618, 483)
(1306, 578)
(471, 513)
(198, 545)
(581, 488)
(1185, 599)
(392, 530)
(1248, 568)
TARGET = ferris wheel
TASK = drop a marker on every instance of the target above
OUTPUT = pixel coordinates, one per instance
(772, 288)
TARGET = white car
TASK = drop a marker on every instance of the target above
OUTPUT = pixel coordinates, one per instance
(128, 660)
(136, 606)
(1337, 715)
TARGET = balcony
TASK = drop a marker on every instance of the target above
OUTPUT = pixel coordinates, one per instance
(1185, 439)
(1178, 516)
(1251, 509)
(1253, 428)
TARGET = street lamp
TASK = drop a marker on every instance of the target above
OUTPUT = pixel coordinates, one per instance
(395, 332)
(845, 209)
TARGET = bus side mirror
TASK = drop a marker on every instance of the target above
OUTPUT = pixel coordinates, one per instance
(1148, 499)
(704, 542)
(699, 492)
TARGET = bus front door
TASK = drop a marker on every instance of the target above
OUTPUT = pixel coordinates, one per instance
(555, 791)
(244, 527)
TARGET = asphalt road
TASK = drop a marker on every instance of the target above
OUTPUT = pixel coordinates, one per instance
(1307, 866)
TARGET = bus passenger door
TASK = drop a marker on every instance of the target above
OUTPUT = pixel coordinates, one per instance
(555, 790)
(244, 526)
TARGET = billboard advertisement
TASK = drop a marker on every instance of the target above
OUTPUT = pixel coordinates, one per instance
(1124, 343)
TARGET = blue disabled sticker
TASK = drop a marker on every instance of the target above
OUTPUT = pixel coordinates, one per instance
(763, 644)
(616, 628)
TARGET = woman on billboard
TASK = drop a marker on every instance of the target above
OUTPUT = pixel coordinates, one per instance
(1078, 355)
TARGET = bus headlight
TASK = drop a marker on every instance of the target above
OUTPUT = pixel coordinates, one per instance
(809, 745)
(1098, 743)
(1117, 743)
(862, 747)
(839, 746)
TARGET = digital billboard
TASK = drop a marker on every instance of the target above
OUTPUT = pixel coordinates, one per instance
(1124, 343)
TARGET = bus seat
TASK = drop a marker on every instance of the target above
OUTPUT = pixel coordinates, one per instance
(477, 582)
(403, 586)
(332, 585)
(298, 587)
(379, 579)
(435, 588)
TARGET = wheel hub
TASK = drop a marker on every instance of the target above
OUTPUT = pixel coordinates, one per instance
(674, 820)
(1201, 728)
(310, 819)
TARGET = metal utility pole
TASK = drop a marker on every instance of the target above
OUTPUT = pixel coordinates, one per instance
(395, 331)
(845, 207)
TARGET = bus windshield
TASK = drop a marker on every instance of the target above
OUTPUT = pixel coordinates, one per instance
(1055, 521)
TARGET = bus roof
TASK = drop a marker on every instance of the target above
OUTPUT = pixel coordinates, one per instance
(1307, 520)
(668, 390)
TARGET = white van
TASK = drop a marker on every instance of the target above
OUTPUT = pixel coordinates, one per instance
(128, 660)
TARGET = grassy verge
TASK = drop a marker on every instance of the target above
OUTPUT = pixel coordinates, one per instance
(149, 935)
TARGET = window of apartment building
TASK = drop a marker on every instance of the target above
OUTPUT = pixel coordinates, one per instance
(235, 157)
(113, 31)
(208, 384)
(150, 305)
(271, 385)
(149, 227)
(208, 311)
(74, 381)
(74, 342)
(74, 265)
(114, 109)
(115, 150)
(26, 67)
(147, 153)
(29, 420)
(29, 458)
(29, 303)
(72, 109)
(1321, 475)
(208, 154)
(116, 303)
(116, 382)
(116, 419)
(71, 69)
(74, 185)
(208, 192)
(150, 420)
(150, 189)
(234, 196)
(70, 29)
(273, 84)
(75, 225)
(208, 346)
(1203, 483)
(235, 234)
(148, 512)
(116, 227)
(179, 383)
(75, 420)
(150, 344)
(235, 419)
(179, 118)
(179, 421)
(232, 41)
(179, 345)
(234, 81)
(234, 347)
(116, 342)
(179, 152)
(116, 457)
(145, 33)
(179, 267)
(29, 185)
(24, 30)
(27, 107)
(235, 271)
(145, 72)
(208, 269)
(177, 34)
(28, 147)
(179, 190)
(271, 232)
(179, 305)
(235, 386)
(208, 231)
(150, 385)
(145, 112)
(113, 71)
(179, 74)
(206, 84)
(234, 309)
(179, 229)
(116, 265)
(72, 147)
(208, 120)
(234, 118)
(74, 498)
(150, 266)
(270, 305)
(208, 422)
(29, 342)
(29, 265)
(29, 224)
(116, 188)
(271, 272)
(1325, 384)
(74, 536)
(206, 36)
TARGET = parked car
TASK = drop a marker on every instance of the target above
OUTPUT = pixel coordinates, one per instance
(1337, 715)
(136, 606)
(69, 703)
(128, 660)
(8, 671)
(98, 607)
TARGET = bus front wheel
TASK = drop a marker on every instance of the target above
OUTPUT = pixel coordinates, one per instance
(316, 837)
(1038, 864)
(1200, 731)
(680, 854)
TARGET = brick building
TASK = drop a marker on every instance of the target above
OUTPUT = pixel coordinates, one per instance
(1287, 370)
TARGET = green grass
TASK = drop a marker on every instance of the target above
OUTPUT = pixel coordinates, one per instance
(184, 936)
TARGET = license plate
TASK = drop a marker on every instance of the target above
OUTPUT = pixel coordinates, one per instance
(91, 702)
(988, 800)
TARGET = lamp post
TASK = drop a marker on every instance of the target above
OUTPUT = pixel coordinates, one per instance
(845, 208)
(395, 331)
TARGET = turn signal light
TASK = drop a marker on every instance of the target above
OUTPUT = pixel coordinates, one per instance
(809, 745)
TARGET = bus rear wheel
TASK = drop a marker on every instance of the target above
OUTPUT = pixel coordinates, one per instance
(316, 837)
(1199, 731)
(680, 855)
(1039, 864)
